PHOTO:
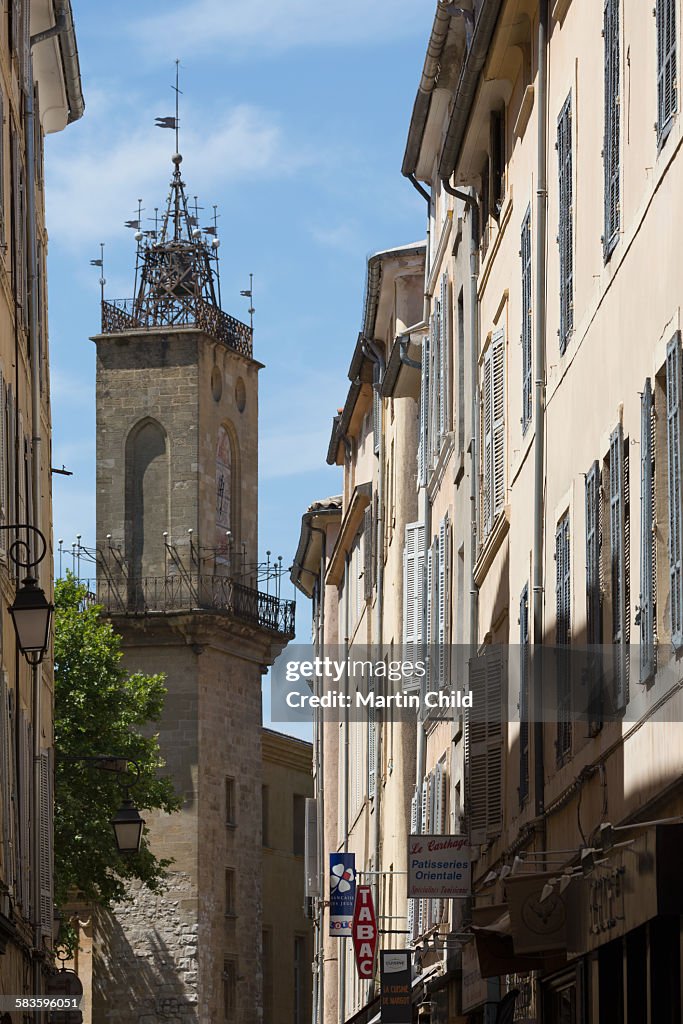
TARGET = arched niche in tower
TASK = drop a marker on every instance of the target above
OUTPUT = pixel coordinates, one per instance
(227, 518)
(147, 498)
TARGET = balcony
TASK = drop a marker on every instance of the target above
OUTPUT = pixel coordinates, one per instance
(150, 595)
(120, 316)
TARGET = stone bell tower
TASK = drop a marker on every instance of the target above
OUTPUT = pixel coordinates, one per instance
(177, 462)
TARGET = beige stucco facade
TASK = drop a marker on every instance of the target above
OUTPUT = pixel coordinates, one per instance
(547, 484)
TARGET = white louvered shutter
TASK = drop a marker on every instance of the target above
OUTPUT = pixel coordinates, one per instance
(618, 564)
(412, 915)
(413, 578)
(593, 595)
(428, 678)
(443, 600)
(444, 353)
(372, 749)
(487, 434)
(498, 426)
(648, 569)
(438, 827)
(423, 447)
(424, 824)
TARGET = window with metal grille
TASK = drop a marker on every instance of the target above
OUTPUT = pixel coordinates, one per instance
(667, 66)
(524, 672)
(562, 638)
(612, 145)
(525, 250)
(675, 481)
(565, 235)
(647, 614)
(493, 432)
(619, 518)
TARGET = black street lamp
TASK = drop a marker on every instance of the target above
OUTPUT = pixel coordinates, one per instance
(31, 611)
(128, 826)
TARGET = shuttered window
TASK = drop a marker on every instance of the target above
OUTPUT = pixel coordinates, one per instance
(6, 783)
(368, 553)
(424, 822)
(25, 818)
(423, 446)
(46, 844)
(524, 671)
(2, 169)
(372, 749)
(667, 65)
(437, 825)
(444, 590)
(525, 250)
(493, 432)
(562, 637)
(648, 566)
(675, 481)
(413, 580)
(612, 145)
(565, 236)
(485, 742)
(618, 502)
(594, 593)
(444, 361)
(412, 909)
(435, 396)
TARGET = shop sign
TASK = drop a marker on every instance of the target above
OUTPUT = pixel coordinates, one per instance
(364, 932)
(395, 986)
(342, 893)
(439, 867)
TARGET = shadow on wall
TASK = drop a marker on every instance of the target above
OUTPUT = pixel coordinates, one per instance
(138, 974)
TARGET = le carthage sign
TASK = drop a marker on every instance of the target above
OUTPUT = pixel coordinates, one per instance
(439, 867)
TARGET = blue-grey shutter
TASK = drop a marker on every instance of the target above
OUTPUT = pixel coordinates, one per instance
(526, 320)
(593, 593)
(562, 637)
(566, 224)
(617, 499)
(46, 844)
(611, 151)
(673, 425)
(667, 61)
(648, 589)
(524, 695)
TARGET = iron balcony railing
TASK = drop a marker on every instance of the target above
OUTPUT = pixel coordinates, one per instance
(194, 592)
(120, 316)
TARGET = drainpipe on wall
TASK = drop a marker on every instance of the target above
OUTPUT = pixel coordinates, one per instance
(341, 964)
(375, 354)
(319, 977)
(539, 396)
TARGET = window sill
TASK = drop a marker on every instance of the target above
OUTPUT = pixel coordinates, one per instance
(525, 108)
(491, 545)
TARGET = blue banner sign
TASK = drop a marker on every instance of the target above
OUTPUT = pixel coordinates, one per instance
(342, 893)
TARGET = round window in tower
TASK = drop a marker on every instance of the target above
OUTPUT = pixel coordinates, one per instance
(216, 383)
(240, 394)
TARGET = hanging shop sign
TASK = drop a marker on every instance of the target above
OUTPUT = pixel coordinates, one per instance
(439, 867)
(342, 893)
(395, 986)
(364, 932)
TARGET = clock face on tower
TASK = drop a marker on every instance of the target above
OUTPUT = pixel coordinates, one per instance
(543, 918)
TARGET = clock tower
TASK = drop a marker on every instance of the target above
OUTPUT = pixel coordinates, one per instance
(178, 574)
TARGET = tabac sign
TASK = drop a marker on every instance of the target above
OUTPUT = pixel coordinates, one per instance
(439, 867)
(364, 932)
(395, 986)
(342, 893)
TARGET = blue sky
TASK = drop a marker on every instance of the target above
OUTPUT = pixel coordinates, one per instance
(294, 120)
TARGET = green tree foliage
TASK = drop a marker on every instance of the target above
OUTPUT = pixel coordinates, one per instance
(101, 710)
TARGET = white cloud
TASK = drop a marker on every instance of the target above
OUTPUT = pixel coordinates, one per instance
(276, 25)
(94, 179)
